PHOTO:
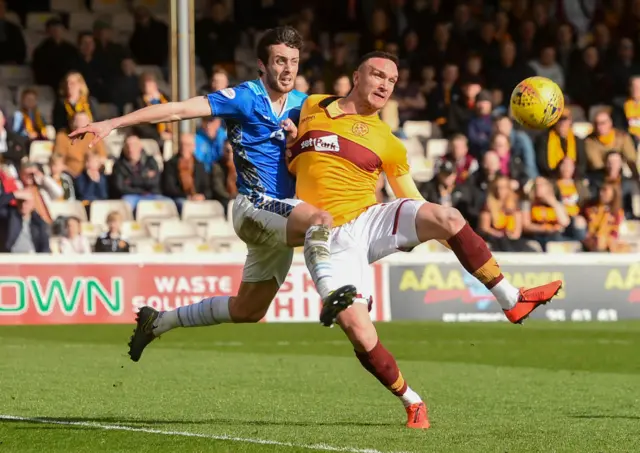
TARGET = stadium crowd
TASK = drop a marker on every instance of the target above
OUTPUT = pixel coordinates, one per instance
(576, 184)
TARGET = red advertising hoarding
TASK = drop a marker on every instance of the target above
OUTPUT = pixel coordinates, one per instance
(91, 292)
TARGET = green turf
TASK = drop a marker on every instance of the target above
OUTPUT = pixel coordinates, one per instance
(490, 388)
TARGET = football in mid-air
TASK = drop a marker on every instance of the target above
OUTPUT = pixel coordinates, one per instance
(537, 103)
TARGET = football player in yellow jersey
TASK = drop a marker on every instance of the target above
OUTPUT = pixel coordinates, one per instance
(340, 150)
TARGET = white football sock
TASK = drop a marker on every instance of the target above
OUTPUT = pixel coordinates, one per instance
(410, 397)
(506, 294)
(207, 312)
(317, 256)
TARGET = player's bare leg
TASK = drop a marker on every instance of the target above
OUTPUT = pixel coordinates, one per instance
(314, 228)
(249, 306)
(374, 357)
(434, 221)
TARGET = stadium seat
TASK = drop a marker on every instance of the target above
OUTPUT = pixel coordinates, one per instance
(15, 75)
(228, 245)
(175, 229)
(108, 6)
(54, 245)
(68, 208)
(14, 18)
(100, 209)
(81, 20)
(132, 230)
(437, 147)
(414, 147)
(421, 168)
(577, 113)
(108, 166)
(219, 228)
(91, 231)
(417, 129)
(107, 110)
(594, 109)
(151, 147)
(38, 21)
(114, 143)
(582, 129)
(564, 247)
(123, 22)
(630, 229)
(147, 246)
(5, 95)
(45, 93)
(40, 151)
(67, 6)
(195, 211)
(193, 246)
(167, 150)
(46, 109)
(153, 211)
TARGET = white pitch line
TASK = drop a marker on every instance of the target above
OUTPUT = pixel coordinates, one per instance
(323, 447)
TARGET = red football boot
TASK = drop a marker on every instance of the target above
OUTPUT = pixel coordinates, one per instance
(417, 416)
(530, 299)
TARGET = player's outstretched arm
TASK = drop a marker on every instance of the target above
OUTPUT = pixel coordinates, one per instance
(160, 113)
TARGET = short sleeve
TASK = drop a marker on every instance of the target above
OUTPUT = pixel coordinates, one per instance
(232, 103)
(395, 162)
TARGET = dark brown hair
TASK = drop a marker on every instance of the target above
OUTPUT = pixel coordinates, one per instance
(288, 36)
(378, 54)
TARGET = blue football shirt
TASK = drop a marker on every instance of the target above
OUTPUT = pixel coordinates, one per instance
(258, 140)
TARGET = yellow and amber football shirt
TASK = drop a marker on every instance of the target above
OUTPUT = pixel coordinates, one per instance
(337, 159)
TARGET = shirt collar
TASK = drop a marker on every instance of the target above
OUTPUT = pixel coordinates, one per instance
(262, 90)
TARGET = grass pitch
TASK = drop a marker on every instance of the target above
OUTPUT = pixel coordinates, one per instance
(297, 388)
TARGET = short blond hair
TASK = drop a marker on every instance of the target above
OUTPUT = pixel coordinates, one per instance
(114, 216)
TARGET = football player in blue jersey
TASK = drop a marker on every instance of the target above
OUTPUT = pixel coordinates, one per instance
(259, 116)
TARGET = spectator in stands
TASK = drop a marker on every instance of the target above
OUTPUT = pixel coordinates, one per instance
(184, 177)
(411, 102)
(604, 217)
(91, 184)
(544, 217)
(624, 67)
(110, 54)
(13, 147)
(126, 86)
(216, 38)
(503, 27)
(342, 86)
(318, 87)
(442, 187)
(73, 242)
(573, 194)
(547, 66)
(411, 53)
(461, 110)
(61, 177)
(379, 32)
(74, 153)
(442, 95)
(91, 68)
(74, 98)
(520, 143)
(588, 83)
(112, 241)
(337, 65)
(509, 71)
(558, 143)
(628, 117)
(567, 51)
(150, 40)
(22, 230)
(301, 84)
(54, 57)
(475, 189)
(13, 49)
(8, 183)
(219, 80)
(135, 175)
(480, 124)
(210, 140)
(428, 82)
(464, 26)
(27, 120)
(442, 49)
(545, 25)
(605, 138)
(613, 174)
(527, 40)
(458, 153)
(152, 95)
(473, 68)
(511, 165)
(487, 46)
(43, 188)
(500, 222)
(603, 43)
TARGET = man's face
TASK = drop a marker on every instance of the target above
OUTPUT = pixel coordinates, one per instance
(603, 123)
(491, 162)
(27, 176)
(282, 68)
(29, 101)
(504, 126)
(187, 145)
(211, 126)
(87, 45)
(93, 163)
(56, 32)
(375, 80)
(25, 207)
(134, 148)
(219, 81)
(342, 86)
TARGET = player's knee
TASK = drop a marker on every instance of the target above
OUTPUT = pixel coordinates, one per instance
(449, 219)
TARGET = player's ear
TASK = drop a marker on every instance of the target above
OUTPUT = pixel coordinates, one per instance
(261, 67)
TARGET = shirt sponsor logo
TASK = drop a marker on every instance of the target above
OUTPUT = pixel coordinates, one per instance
(229, 93)
(328, 143)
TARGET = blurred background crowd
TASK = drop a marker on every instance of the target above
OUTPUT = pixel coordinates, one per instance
(573, 188)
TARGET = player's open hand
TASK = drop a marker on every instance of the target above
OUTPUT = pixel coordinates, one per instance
(100, 130)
